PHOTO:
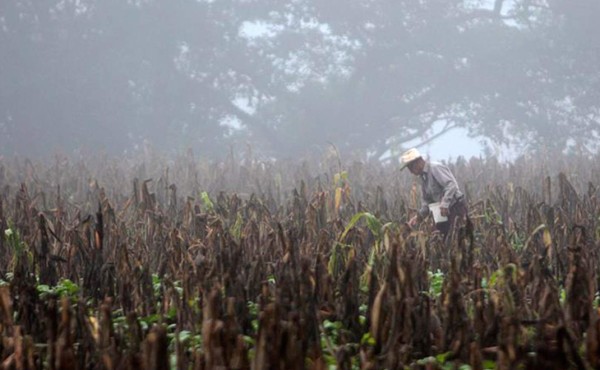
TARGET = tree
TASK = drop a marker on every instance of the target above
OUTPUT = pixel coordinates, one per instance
(498, 72)
(292, 77)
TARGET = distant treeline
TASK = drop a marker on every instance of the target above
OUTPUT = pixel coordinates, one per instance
(288, 78)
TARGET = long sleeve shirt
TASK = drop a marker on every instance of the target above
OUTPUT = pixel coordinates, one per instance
(438, 185)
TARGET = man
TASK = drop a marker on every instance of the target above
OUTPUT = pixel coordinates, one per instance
(438, 187)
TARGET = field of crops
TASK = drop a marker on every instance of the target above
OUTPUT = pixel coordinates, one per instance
(150, 263)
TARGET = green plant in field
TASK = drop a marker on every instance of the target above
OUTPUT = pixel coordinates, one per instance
(146, 322)
(516, 241)
(207, 204)
(376, 255)
(331, 334)
(340, 179)
(236, 228)
(436, 283)
(157, 286)
(498, 278)
(17, 246)
(187, 338)
(9, 277)
(253, 311)
(367, 339)
(562, 295)
(500, 285)
(329, 340)
(491, 215)
(191, 342)
(362, 318)
(64, 288)
(440, 361)
(373, 223)
(340, 254)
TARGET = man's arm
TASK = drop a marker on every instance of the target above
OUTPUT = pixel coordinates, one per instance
(446, 179)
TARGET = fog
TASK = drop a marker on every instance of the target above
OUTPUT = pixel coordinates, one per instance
(286, 79)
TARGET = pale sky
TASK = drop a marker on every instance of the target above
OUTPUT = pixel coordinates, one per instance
(453, 144)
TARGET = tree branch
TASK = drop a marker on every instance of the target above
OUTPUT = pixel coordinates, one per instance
(498, 6)
(447, 128)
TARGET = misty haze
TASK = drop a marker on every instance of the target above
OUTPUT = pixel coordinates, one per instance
(299, 184)
(288, 78)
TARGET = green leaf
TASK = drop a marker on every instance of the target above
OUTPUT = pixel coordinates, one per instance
(367, 339)
(184, 335)
(252, 308)
(332, 325)
(151, 319)
(426, 361)
(67, 287)
(207, 204)
(172, 313)
(236, 229)
(441, 358)
(489, 364)
(351, 224)
(43, 289)
(493, 278)
(436, 283)
(373, 224)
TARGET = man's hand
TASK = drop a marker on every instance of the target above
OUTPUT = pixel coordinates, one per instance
(413, 221)
(444, 211)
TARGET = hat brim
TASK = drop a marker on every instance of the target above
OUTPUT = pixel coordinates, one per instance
(403, 166)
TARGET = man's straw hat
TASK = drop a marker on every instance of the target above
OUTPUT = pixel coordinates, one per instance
(409, 156)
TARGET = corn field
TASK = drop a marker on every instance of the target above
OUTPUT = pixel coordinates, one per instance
(150, 263)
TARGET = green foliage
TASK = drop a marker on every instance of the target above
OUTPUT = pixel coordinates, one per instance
(186, 338)
(367, 339)
(340, 178)
(13, 239)
(362, 319)
(491, 215)
(146, 322)
(338, 259)
(253, 312)
(441, 361)
(498, 277)
(329, 338)
(489, 364)
(156, 284)
(436, 283)
(9, 277)
(207, 203)
(373, 223)
(377, 259)
(236, 228)
(516, 241)
(64, 288)
(18, 247)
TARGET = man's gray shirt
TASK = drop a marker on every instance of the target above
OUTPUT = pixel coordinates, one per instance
(438, 185)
